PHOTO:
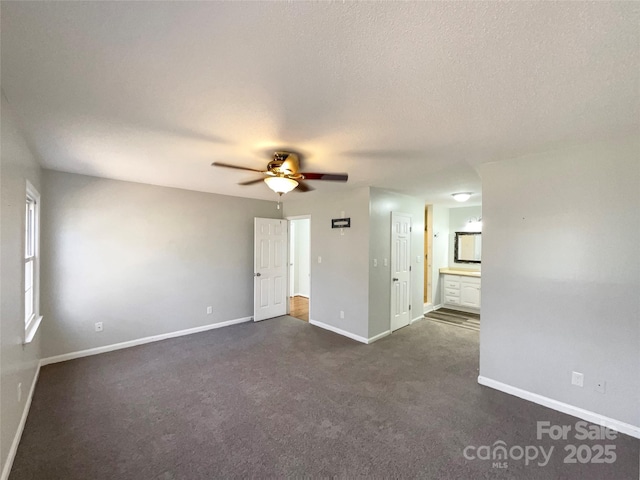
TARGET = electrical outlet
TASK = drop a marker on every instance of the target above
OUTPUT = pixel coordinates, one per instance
(375, 262)
(99, 326)
(577, 379)
(386, 262)
(342, 314)
(19, 392)
(319, 259)
(209, 310)
(601, 386)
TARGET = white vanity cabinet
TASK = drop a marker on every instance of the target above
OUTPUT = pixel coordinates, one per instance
(470, 292)
(461, 292)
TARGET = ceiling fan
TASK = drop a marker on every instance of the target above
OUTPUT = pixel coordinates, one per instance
(283, 174)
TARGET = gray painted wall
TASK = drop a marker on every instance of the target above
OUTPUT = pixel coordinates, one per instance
(341, 281)
(440, 250)
(382, 203)
(560, 276)
(459, 222)
(18, 362)
(142, 259)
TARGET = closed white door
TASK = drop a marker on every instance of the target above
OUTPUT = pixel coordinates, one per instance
(270, 268)
(400, 270)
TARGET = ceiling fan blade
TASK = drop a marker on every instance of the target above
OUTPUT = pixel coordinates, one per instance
(334, 177)
(228, 165)
(303, 186)
(251, 182)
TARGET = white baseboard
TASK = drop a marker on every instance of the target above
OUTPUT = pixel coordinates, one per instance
(339, 331)
(587, 415)
(16, 439)
(416, 319)
(140, 341)
(379, 336)
(350, 335)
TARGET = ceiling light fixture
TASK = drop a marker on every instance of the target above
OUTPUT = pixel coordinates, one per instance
(280, 185)
(461, 196)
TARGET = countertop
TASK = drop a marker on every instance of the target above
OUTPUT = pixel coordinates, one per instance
(455, 271)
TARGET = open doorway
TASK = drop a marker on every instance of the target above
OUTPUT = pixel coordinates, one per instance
(299, 266)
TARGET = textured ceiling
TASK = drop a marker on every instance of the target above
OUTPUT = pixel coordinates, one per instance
(404, 96)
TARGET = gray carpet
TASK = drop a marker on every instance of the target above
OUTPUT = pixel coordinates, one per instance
(285, 399)
(455, 317)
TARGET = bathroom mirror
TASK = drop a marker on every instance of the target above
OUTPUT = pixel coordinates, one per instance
(467, 247)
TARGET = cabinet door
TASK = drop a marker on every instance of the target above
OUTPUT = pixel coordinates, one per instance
(470, 294)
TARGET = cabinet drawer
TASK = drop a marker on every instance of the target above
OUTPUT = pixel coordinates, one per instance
(452, 292)
(452, 278)
(451, 284)
(452, 300)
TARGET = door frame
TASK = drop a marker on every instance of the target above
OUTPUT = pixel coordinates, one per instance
(290, 265)
(428, 260)
(290, 246)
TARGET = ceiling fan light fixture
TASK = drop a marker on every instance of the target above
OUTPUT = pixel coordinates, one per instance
(461, 196)
(280, 185)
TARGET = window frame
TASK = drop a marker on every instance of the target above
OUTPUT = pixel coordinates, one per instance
(31, 253)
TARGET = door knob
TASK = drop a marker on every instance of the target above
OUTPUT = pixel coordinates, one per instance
(258, 274)
(395, 279)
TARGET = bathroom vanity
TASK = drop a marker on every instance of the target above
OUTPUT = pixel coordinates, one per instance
(461, 289)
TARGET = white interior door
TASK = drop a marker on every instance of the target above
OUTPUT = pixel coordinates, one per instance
(270, 268)
(400, 270)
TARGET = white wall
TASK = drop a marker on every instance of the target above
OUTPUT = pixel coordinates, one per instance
(18, 362)
(382, 203)
(301, 256)
(561, 275)
(440, 250)
(459, 222)
(142, 259)
(341, 281)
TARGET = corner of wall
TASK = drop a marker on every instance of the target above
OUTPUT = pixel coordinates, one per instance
(19, 362)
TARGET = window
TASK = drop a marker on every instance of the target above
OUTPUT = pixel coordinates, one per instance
(32, 316)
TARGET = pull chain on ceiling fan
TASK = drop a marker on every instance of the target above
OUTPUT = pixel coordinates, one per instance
(283, 174)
